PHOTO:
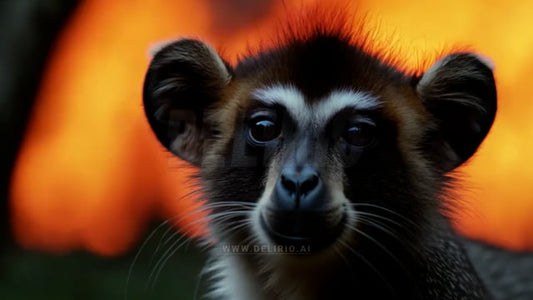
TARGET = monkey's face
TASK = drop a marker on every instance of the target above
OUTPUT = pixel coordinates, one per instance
(325, 155)
(311, 161)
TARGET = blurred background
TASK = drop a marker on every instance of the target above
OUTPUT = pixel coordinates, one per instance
(91, 204)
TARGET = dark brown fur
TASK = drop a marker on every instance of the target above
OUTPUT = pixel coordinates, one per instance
(426, 126)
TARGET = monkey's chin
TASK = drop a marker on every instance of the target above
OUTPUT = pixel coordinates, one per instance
(310, 232)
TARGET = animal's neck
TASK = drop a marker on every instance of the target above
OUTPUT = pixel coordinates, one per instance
(440, 270)
(250, 277)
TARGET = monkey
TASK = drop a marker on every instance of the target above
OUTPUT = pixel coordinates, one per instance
(325, 165)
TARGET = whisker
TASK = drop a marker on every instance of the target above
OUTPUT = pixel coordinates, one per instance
(204, 207)
(377, 224)
(211, 217)
(344, 259)
(376, 216)
(156, 271)
(361, 257)
(176, 245)
(137, 255)
(380, 245)
(385, 209)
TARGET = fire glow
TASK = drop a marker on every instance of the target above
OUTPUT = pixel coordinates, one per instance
(90, 175)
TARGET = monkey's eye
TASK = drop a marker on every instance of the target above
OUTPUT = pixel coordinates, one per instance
(263, 130)
(359, 133)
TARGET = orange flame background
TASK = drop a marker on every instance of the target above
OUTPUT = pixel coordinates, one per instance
(90, 174)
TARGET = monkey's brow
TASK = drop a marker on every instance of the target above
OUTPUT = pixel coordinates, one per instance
(286, 95)
(293, 100)
(289, 96)
(339, 100)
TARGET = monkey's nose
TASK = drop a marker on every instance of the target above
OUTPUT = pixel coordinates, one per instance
(299, 189)
(300, 211)
(299, 185)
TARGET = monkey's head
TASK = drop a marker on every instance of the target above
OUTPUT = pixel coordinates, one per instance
(316, 142)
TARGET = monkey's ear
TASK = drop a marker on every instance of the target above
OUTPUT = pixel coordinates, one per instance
(460, 93)
(183, 80)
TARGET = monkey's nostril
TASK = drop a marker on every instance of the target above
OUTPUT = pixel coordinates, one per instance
(288, 184)
(300, 189)
(301, 184)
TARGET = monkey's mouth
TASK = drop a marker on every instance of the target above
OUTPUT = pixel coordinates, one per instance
(312, 231)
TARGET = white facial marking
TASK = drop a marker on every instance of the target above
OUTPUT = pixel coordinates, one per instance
(288, 96)
(319, 113)
(338, 100)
